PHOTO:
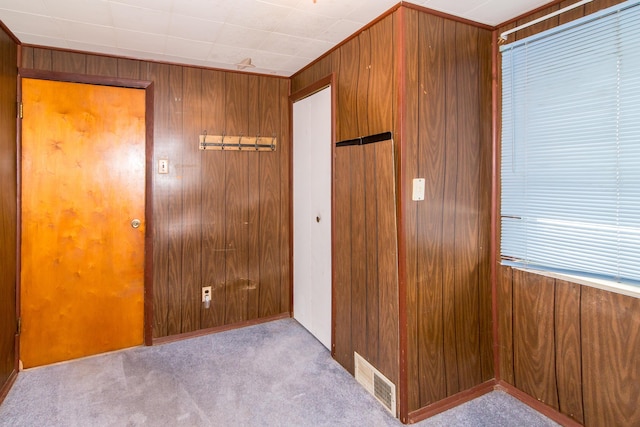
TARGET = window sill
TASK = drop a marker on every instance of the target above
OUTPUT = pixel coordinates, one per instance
(605, 285)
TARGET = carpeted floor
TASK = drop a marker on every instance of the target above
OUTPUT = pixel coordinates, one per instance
(273, 374)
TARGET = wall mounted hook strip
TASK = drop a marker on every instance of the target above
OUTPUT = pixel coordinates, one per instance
(237, 143)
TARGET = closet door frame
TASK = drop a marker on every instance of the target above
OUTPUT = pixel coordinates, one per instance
(326, 82)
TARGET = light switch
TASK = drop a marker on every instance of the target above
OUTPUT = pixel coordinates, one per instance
(163, 166)
(418, 189)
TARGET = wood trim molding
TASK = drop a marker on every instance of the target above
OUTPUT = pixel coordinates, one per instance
(451, 401)
(82, 78)
(495, 177)
(403, 342)
(209, 331)
(447, 16)
(148, 213)
(4, 390)
(312, 88)
(12, 36)
(545, 410)
(531, 12)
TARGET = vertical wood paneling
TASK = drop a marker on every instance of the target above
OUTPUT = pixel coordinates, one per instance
(8, 207)
(449, 208)
(270, 212)
(285, 199)
(505, 323)
(485, 291)
(387, 260)
(365, 209)
(347, 94)
(68, 62)
(27, 57)
(191, 214)
(534, 343)
(161, 193)
(370, 260)
(129, 68)
(42, 59)
(343, 283)
(431, 156)
(611, 366)
(212, 207)
(253, 202)
(358, 252)
(467, 208)
(381, 91)
(362, 86)
(409, 168)
(174, 205)
(568, 362)
(236, 201)
(574, 342)
(101, 66)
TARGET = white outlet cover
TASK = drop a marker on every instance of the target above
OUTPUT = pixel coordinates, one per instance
(418, 189)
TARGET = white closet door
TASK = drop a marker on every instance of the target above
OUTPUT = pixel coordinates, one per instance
(312, 214)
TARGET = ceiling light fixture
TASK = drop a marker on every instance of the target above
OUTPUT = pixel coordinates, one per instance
(245, 63)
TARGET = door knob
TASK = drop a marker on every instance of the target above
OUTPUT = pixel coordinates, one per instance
(135, 223)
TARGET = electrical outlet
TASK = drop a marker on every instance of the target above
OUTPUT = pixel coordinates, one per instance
(206, 292)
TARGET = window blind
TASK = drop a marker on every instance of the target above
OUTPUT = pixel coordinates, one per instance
(570, 174)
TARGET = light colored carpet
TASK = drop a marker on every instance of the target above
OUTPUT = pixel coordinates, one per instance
(273, 374)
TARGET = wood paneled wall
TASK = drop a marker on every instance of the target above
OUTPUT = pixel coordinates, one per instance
(366, 306)
(221, 219)
(446, 138)
(573, 347)
(366, 261)
(8, 205)
(447, 141)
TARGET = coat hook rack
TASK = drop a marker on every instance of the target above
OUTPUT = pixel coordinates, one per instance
(237, 143)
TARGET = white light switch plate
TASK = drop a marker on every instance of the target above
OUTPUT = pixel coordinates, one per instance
(163, 166)
(418, 189)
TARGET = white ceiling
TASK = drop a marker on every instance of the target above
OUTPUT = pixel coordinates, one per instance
(280, 36)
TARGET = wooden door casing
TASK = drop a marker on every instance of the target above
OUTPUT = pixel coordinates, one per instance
(83, 181)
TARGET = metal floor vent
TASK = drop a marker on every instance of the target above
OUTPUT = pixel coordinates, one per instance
(375, 383)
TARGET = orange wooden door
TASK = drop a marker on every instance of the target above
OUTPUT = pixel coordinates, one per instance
(83, 172)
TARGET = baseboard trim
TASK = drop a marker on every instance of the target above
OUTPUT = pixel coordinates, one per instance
(209, 331)
(450, 402)
(545, 410)
(4, 390)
